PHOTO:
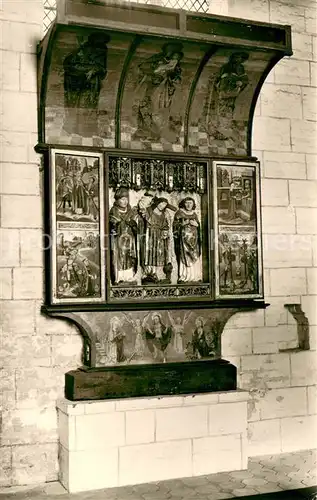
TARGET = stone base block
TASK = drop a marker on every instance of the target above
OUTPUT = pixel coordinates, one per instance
(111, 443)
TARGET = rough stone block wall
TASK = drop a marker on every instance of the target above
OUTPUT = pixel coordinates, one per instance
(282, 409)
(35, 352)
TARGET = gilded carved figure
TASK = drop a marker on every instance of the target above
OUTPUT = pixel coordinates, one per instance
(156, 240)
(187, 241)
(123, 239)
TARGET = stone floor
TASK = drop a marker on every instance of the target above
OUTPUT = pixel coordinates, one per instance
(266, 474)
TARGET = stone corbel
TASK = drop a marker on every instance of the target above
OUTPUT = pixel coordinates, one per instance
(302, 325)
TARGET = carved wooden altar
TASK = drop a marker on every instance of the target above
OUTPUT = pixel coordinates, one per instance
(152, 195)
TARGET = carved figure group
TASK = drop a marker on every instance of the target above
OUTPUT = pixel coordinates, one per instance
(141, 240)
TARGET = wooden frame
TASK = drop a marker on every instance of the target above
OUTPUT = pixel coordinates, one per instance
(76, 221)
(237, 226)
(103, 255)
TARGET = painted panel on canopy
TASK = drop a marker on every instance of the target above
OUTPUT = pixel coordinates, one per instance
(82, 87)
(218, 121)
(156, 93)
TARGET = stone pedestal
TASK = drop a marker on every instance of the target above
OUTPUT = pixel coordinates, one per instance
(111, 443)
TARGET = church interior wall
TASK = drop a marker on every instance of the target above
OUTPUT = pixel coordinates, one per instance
(37, 351)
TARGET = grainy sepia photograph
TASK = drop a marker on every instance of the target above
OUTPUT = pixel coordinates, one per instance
(158, 249)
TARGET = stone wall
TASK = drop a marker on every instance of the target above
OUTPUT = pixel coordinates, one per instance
(35, 352)
(282, 409)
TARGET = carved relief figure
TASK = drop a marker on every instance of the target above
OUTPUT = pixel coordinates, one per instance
(123, 239)
(187, 241)
(156, 241)
(84, 70)
(158, 77)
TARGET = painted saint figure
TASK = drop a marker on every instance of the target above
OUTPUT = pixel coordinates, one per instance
(79, 194)
(123, 239)
(248, 202)
(140, 330)
(158, 337)
(159, 75)
(116, 341)
(187, 241)
(84, 70)
(64, 194)
(201, 345)
(230, 82)
(91, 191)
(178, 327)
(91, 278)
(72, 275)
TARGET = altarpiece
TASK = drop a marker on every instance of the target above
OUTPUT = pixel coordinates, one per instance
(152, 195)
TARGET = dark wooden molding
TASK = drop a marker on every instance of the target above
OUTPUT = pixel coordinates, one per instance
(123, 76)
(150, 380)
(246, 305)
(160, 21)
